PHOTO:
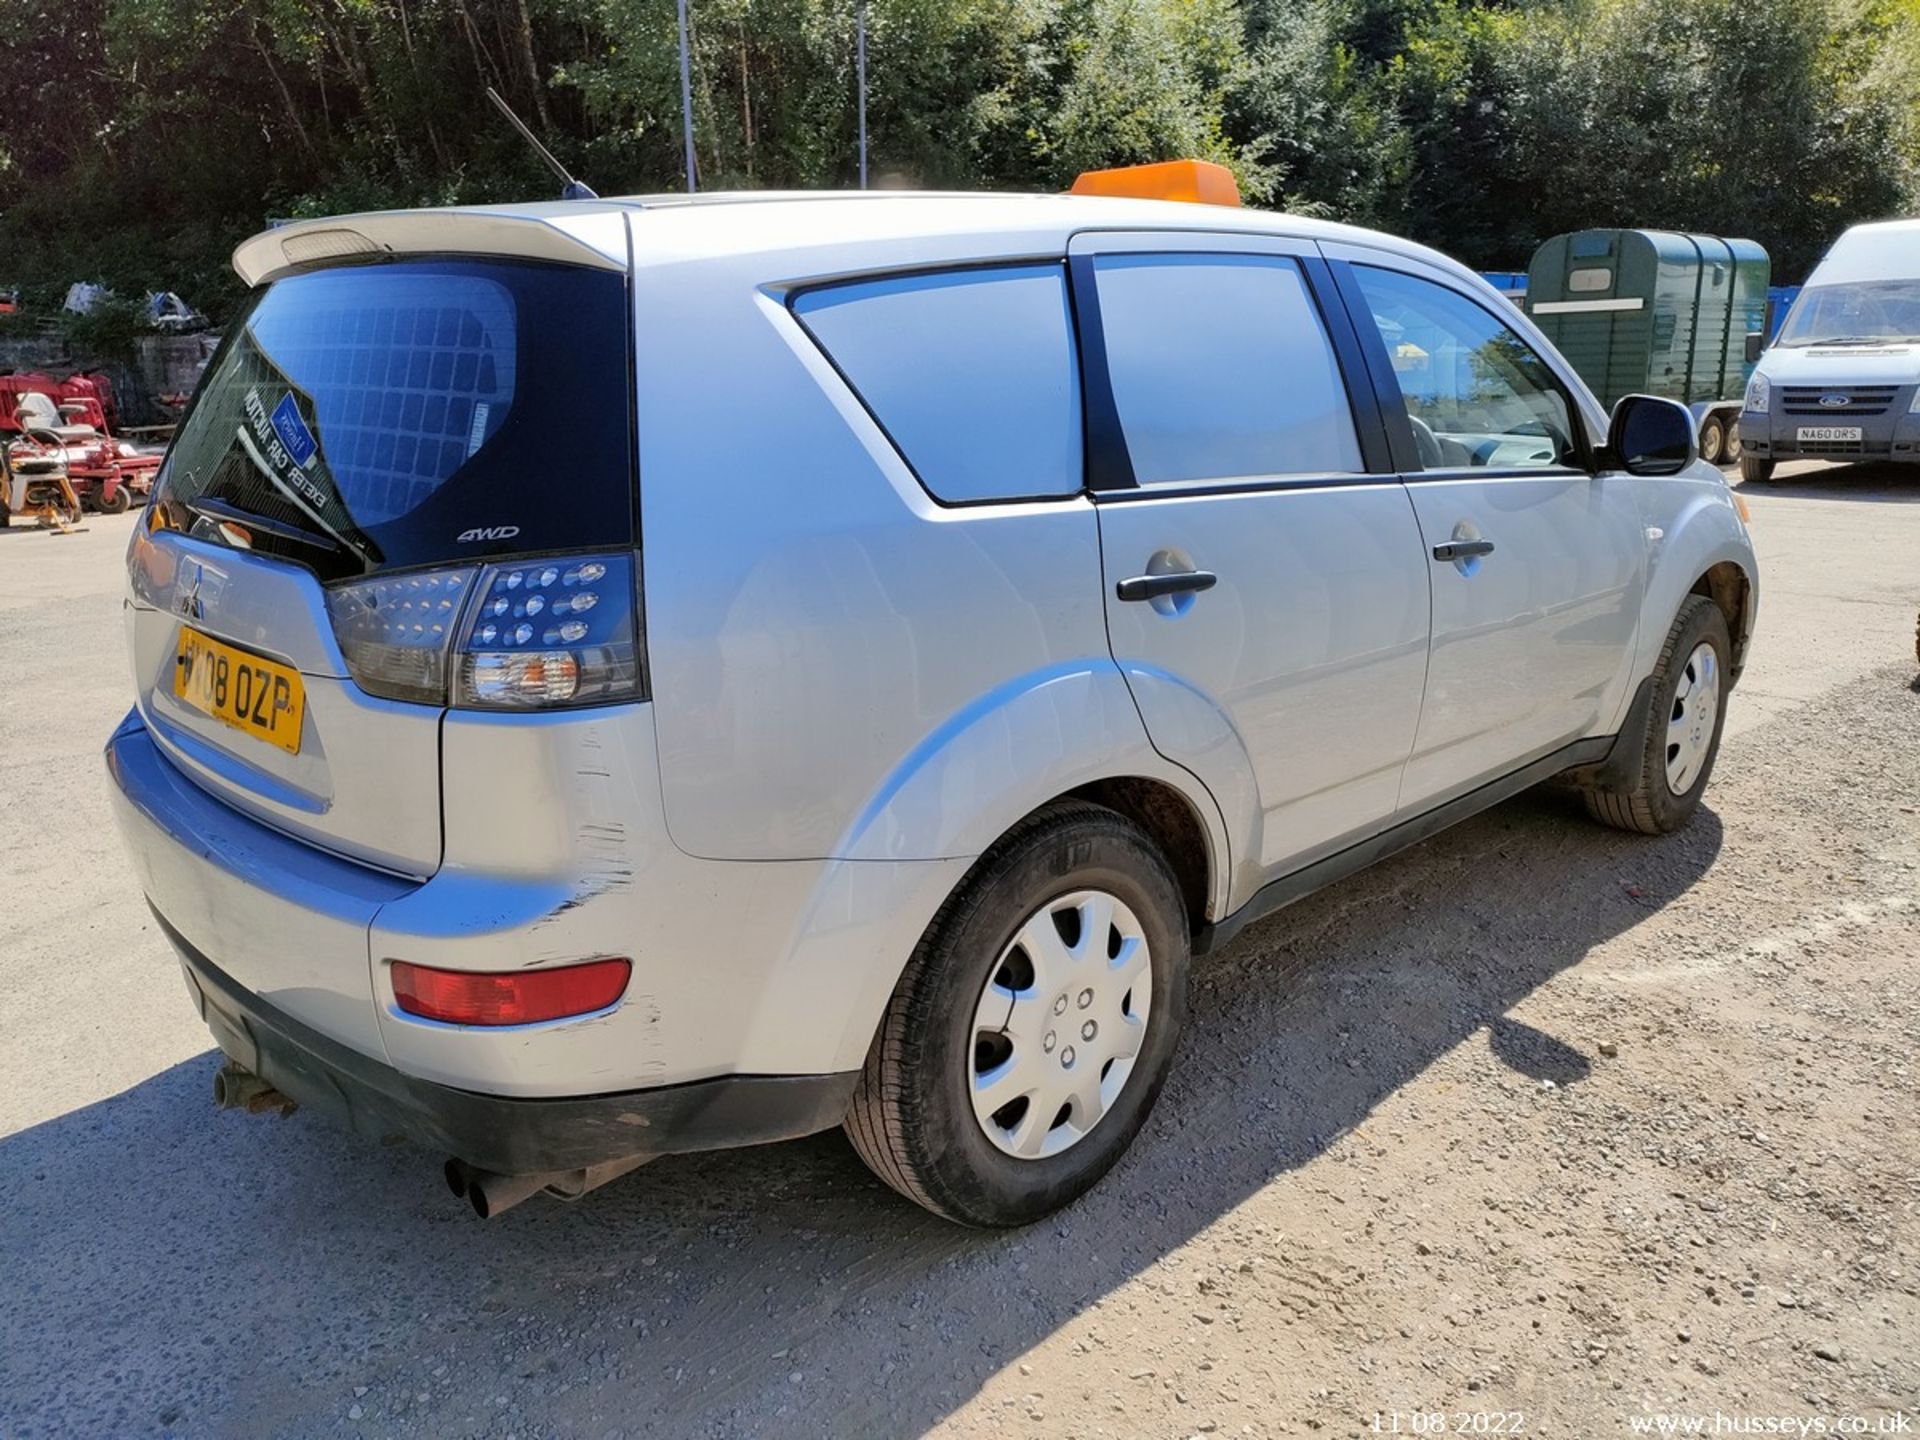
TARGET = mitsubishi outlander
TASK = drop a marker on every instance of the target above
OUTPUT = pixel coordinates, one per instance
(624, 677)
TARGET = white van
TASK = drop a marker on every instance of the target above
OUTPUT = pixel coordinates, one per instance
(1842, 380)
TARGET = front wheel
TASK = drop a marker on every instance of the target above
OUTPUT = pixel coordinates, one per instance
(1688, 710)
(1755, 470)
(1731, 450)
(111, 502)
(1034, 1026)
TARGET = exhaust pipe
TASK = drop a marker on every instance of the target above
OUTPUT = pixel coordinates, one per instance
(235, 1088)
(491, 1194)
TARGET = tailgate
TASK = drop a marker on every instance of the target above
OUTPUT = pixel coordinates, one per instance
(364, 780)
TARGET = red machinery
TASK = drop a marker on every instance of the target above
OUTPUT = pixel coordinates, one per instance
(48, 424)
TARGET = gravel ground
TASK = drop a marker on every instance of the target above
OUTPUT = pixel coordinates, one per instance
(1536, 1119)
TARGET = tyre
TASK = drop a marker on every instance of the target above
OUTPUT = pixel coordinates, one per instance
(1755, 470)
(111, 504)
(1034, 1025)
(1730, 448)
(1683, 728)
(1713, 439)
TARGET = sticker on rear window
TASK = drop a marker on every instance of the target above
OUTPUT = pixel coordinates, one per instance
(294, 434)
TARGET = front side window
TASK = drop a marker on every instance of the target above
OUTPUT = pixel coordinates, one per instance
(416, 412)
(970, 372)
(1221, 369)
(1477, 394)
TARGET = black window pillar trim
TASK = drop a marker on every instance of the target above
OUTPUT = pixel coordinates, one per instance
(1389, 404)
(1109, 464)
(1348, 341)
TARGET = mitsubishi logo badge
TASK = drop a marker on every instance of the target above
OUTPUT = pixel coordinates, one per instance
(189, 604)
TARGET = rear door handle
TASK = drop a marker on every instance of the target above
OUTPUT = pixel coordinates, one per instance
(1152, 587)
(1462, 549)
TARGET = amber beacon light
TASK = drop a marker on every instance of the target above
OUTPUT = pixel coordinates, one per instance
(1198, 182)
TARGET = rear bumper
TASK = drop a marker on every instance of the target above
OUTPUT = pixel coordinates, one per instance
(274, 937)
(496, 1132)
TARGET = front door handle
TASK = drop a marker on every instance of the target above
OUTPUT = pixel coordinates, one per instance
(1152, 587)
(1462, 549)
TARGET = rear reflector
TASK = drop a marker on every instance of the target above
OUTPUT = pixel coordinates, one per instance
(519, 997)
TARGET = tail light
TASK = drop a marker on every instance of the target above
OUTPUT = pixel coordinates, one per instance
(551, 632)
(515, 997)
(520, 636)
(395, 632)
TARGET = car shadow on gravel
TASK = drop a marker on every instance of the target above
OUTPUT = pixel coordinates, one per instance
(167, 1267)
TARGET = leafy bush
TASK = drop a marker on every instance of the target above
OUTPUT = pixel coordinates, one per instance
(1477, 127)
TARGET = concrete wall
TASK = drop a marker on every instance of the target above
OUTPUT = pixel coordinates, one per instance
(163, 367)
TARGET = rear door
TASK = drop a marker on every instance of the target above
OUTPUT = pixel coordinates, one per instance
(1537, 564)
(1264, 589)
(365, 436)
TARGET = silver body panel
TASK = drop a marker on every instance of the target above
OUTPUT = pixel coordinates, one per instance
(855, 689)
(366, 781)
(1292, 688)
(1532, 647)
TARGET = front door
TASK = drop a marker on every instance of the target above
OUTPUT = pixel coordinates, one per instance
(1265, 593)
(1537, 565)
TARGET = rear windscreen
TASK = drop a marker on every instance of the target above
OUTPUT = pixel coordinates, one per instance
(414, 413)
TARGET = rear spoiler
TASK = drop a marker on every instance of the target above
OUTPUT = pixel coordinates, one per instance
(568, 233)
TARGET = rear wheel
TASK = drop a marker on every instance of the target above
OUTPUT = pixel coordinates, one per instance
(1731, 450)
(1034, 1025)
(1713, 439)
(1755, 470)
(1683, 728)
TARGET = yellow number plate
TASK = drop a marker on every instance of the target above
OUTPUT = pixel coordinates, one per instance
(258, 696)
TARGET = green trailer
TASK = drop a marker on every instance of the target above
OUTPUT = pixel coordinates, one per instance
(1651, 312)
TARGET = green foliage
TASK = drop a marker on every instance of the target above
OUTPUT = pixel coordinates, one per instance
(106, 332)
(140, 139)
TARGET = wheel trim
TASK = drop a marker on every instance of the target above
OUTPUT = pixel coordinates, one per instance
(1690, 722)
(1059, 1024)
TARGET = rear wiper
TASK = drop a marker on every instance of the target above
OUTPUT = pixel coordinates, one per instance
(217, 510)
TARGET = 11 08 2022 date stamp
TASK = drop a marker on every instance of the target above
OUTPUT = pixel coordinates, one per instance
(1448, 1422)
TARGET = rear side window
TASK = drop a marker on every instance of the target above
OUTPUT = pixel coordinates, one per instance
(1221, 369)
(414, 413)
(970, 372)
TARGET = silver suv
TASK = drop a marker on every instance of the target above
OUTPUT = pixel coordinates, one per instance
(626, 677)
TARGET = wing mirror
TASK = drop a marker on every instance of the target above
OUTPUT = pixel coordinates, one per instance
(1651, 436)
(1756, 343)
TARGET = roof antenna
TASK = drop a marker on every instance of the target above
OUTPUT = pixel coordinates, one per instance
(572, 189)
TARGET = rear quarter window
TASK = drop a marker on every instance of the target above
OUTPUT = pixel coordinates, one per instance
(971, 373)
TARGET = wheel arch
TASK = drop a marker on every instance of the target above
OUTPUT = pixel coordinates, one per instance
(1698, 546)
(1731, 590)
(1174, 823)
(1180, 818)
